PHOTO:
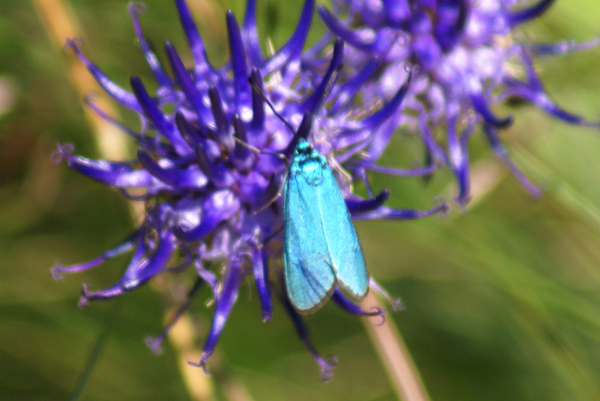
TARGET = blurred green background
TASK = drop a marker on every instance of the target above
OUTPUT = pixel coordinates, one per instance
(502, 303)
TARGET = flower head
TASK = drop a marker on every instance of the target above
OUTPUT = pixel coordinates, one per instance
(211, 170)
(468, 59)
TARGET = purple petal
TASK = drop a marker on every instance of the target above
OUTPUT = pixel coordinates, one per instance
(533, 91)
(357, 206)
(135, 9)
(261, 278)
(112, 173)
(188, 86)
(190, 178)
(326, 365)
(312, 104)
(224, 135)
(189, 134)
(164, 126)
(438, 153)
(123, 97)
(224, 302)
(397, 11)
(387, 110)
(217, 172)
(427, 51)
(216, 207)
(543, 101)
(459, 162)
(420, 22)
(241, 157)
(452, 18)
(194, 39)
(395, 302)
(238, 63)
(553, 49)
(250, 34)
(138, 272)
(206, 275)
(292, 50)
(377, 44)
(256, 191)
(526, 14)
(396, 171)
(127, 245)
(501, 152)
(482, 108)
(347, 91)
(387, 213)
(257, 124)
(343, 302)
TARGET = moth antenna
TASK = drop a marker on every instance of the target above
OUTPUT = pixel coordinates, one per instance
(277, 195)
(270, 237)
(258, 151)
(330, 83)
(261, 93)
(318, 98)
(247, 145)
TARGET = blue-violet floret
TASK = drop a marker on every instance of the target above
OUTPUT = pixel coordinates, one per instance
(210, 170)
(468, 59)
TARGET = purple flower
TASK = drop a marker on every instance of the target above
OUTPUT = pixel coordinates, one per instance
(468, 59)
(210, 170)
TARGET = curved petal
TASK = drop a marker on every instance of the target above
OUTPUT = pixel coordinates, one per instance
(216, 207)
(224, 302)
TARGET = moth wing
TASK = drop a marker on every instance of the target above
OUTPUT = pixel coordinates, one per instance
(309, 278)
(347, 259)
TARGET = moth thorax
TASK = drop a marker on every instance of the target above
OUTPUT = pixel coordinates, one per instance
(312, 170)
